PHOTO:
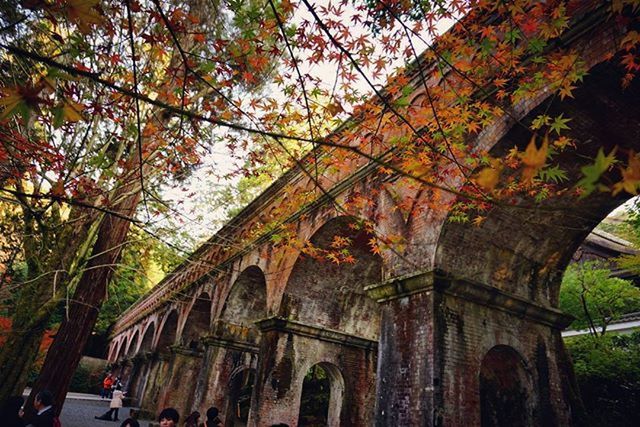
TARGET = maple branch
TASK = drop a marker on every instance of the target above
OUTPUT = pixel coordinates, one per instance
(300, 79)
(379, 94)
(432, 47)
(323, 142)
(435, 112)
(167, 107)
(69, 201)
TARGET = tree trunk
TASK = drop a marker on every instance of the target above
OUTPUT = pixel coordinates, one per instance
(37, 300)
(65, 352)
(17, 358)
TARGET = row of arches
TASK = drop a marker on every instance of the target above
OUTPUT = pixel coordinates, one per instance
(318, 294)
(332, 297)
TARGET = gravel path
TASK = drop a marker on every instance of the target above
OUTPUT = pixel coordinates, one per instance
(81, 413)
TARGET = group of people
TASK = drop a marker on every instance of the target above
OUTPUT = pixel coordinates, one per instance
(13, 413)
(169, 417)
(109, 385)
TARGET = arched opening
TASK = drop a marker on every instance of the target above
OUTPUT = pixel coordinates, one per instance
(198, 322)
(247, 301)
(330, 294)
(147, 339)
(322, 396)
(122, 351)
(522, 246)
(168, 332)
(532, 242)
(505, 397)
(240, 390)
(133, 343)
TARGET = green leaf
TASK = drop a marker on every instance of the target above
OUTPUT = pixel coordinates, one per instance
(536, 45)
(512, 36)
(58, 117)
(559, 124)
(591, 173)
(553, 174)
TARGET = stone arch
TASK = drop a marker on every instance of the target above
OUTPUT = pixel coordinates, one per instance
(198, 321)
(167, 335)
(240, 389)
(247, 299)
(524, 249)
(147, 338)
(113, 351)
(328, 295)
(133, 344)
(505, 389)
(122, 349)
(324, 385)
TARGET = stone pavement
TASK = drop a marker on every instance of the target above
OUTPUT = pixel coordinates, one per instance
(80, 409)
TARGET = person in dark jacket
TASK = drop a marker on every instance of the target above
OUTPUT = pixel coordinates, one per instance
(212, 417)
(43, 404)
(130, 422)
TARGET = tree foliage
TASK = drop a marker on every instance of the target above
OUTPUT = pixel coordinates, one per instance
(608, 374)
(595, 298)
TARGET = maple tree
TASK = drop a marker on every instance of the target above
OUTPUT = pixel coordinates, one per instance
(104, 102)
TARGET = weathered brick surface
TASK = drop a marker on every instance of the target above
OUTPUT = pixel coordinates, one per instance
(281, 375)
(405, 384)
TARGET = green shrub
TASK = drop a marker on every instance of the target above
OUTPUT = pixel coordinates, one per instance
(608, 373)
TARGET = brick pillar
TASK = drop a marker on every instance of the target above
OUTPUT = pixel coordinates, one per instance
(406, 387)
(150, 403)
(136, 379)
(126, 372)
(435, 335)
(180, 384)
(228, 351)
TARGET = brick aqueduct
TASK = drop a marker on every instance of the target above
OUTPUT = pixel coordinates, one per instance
(459, 329)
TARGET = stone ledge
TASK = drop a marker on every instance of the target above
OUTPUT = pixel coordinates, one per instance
(185, 351)
(477, 293)
(489, 296)
(230, 344)
(329, 335)
(400, 287)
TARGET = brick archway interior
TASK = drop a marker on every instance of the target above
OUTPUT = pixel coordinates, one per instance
(330, 295)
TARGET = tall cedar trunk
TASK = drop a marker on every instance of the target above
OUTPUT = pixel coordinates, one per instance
(66, 350)
(36, 302)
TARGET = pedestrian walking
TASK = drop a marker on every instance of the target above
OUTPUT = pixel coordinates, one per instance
(114, 406)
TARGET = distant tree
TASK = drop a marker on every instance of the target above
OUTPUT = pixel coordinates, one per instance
(594, 298)
(144, 263)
